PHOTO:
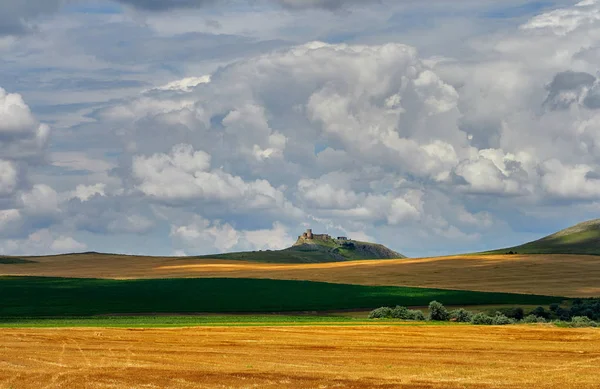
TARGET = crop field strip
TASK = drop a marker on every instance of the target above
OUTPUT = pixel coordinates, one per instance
(431, 357)
(562, 275)
(41, 296)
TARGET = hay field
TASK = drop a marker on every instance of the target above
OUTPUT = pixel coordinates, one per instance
(559, 275)
(380, 356)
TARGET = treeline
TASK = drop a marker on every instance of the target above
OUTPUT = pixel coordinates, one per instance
(582, 313)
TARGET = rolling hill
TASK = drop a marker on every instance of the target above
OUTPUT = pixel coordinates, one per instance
(314, 248)
(583, 238)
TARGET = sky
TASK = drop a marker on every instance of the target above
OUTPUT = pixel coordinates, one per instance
(187, 127)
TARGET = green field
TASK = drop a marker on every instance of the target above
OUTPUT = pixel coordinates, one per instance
(56, 297)
(583, 238)
(174, 321)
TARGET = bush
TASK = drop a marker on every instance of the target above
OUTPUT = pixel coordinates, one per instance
(381, 313)
(437, 312)
(461, 315)
(501, 320)
(407, 314)
(540, 312)
(482, 319)
(587, 307)
(400, 312)
(530, 319)
(562, 314)
(582, 321)
(513, 313)
(417, 316)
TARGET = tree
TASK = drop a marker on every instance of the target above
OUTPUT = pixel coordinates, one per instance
(437, 312)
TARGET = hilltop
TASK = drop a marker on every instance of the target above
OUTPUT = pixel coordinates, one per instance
(582, 238)
(316, 248)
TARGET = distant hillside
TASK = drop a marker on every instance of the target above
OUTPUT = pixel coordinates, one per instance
(315, 249)
(583, 238)
(13, 261)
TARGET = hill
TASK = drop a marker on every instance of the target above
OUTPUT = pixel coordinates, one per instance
(545, 274)
(583, 238)
(315, 248)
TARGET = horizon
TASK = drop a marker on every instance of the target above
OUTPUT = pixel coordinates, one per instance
(196, 127)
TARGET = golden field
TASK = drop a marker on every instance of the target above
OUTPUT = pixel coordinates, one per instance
(379, 356)
(560, 275)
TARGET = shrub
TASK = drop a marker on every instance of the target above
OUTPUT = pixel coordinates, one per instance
(438, 312)
(501, 320)
(482, 319)
(587, 307)
(461, 315)
(582, 321)
(513, 313)
(407, 314)
(417, 315)
(554, 307)
(529, 319)
(381, 313)
(540, 312)
(399, 312)
(562, 314)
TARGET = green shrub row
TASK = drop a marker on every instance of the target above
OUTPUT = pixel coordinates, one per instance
(437, 312)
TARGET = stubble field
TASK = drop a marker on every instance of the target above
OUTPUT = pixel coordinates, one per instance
(378, 356)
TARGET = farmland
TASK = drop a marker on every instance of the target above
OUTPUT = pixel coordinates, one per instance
(31, 296)
(314, 356)
(559, 275)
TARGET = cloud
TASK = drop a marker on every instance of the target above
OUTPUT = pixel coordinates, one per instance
(15, 15)
(22, 141)
(200, 236)
(186, 174)
(21, 135)
(371, 139)
(41, 242)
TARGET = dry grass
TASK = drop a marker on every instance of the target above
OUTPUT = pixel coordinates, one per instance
(561, 275)
(301, 357)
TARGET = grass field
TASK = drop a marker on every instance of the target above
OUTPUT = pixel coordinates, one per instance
(583, 238)
(33, 296)
(421, 357)
(163, 321)
(560, 275)
(319, 252)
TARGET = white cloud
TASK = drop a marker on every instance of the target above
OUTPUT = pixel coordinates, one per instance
(185, 175)
(41, 200)
(349, 137)
(85, 192)
(21, 136)
(41, 242)
(8, 177)
(66, 244)
(185, 84)
(570, 182)
(201, 236)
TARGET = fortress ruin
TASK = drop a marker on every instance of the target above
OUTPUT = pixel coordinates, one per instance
(308, 235)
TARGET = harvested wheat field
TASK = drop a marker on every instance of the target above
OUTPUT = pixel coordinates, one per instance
(559, 275)
(301, 357)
